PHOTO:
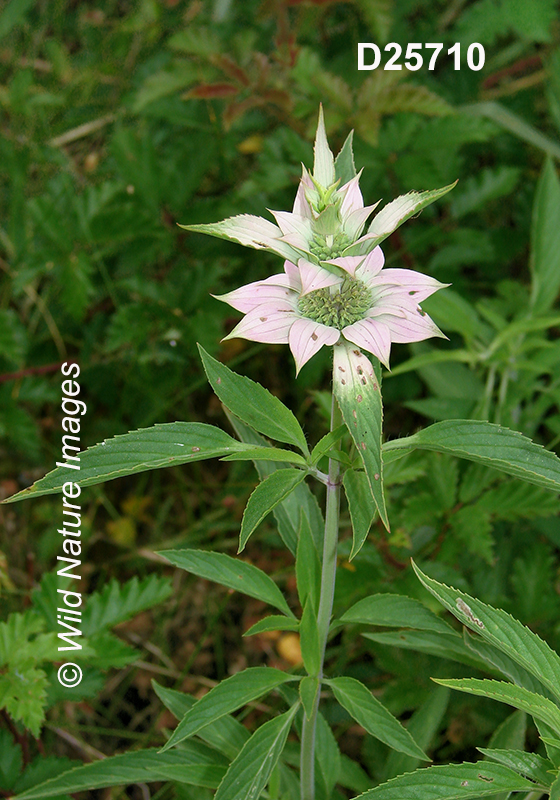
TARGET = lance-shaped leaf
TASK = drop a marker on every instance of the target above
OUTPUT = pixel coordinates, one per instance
(485, 443)
(323, 164)
(308, 566)
(309, 691)
(393, 215)
(395, 611)
(253, 404)
(165, 445)
(268, 494)
(442, 645)
(231, 572)
(250, 771)
(451, 782)
(228, 696)
(250, 231)
(301, 500)
(361, 506)
(373, 716)
(344, 166)
(545, 240)
(226, 735)
(274, 622)
(196, 764)
(529, 764)
(539, 707)
(357, 390)
(501, 630)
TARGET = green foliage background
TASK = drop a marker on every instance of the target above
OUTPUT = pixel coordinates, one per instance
(121, 119)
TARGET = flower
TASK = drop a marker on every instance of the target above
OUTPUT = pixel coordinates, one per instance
(328, 219)
(333, 287)
(308, 307)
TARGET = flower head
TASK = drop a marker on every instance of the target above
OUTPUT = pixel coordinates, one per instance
(308, 307)
(333, 282)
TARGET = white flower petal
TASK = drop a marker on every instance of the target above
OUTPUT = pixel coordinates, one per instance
(251, 231)
(274, 289)
(306, 338)
(371, 335)
(269, 324)
(353, 199)
(354, 223)
(296, 230)
(301, 203)
(415, 284)
(314, 277)
(412, 327)
(371, 266)
(348, 263)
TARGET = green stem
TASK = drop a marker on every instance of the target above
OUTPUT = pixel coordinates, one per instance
(328, 578)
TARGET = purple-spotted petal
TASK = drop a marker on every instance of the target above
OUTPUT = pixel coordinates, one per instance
(314, 277)
(415, 284)
(371, 335)
(269, 324)
(413, 327)
(306, 338)
(277, 289)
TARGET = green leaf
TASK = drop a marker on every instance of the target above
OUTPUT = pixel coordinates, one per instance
(10, 761)
(327, 758)
(501, 630)
(253, 404)
(229, 695)
(309, 687)
(357, 390)
(231, 572)
(344, 166)
(273, 490)
(250, 231)
(250, 771)
(323, 163)
(449, 646)
(309, 640)
(226, 734)
(327, 443)
(267, 454)
(12, 15)
(194, 763)
(516, 696)
(165, 445)
(555, 789)
(117, 602)
(395, 610)
(274, 622)
(361, 506)
(394, 214)
(373, 716)
(308, 566)
(423, 727)
(489, 444)
(529, 764)
(301, 500)
(451, 782)
(545, 241)
(488, 184)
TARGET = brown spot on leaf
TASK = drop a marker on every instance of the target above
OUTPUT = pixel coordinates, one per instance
(363, 445)
(376, 476)
(359, 398)
(314, 337)
(195, 449)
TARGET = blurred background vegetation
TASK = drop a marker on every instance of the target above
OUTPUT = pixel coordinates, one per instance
(121, 119)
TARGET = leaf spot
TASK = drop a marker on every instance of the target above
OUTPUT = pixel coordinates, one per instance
(467, 611)
(263, 319)
(218, 381)
(464, 783)
(343, 382)
(195, 449)
(363, 445)
(342, 369)
(485, 778)
(364, 381)
(359, 398)
(314, 337)
(354, 413)
(376, 476)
